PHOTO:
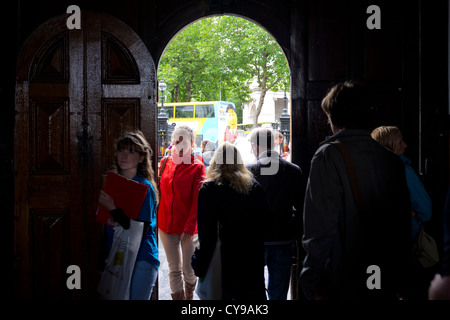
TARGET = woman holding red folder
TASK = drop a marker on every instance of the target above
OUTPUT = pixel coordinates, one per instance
(133, 161)
(181, 178)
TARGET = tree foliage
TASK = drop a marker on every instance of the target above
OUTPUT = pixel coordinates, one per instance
(215, 59)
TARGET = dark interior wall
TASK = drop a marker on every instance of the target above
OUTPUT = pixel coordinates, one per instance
(404, 65)
(332, 43)
(9, 29)
(157, 22)
(434, 162)
(330, 39)
(341, 47)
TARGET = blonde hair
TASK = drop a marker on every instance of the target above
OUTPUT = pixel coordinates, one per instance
(386, 136)
(227, 164)
(135, 141)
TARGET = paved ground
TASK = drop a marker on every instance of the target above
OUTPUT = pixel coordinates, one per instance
(163, 280)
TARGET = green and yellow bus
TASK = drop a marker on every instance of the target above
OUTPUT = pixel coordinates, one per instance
(209, 119)
(245, 128)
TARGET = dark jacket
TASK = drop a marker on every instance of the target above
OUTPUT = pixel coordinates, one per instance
(241, 220)
(340, 242)
(284, 187)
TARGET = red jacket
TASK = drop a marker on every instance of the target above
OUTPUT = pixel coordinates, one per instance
(179, 186)
(230, 135)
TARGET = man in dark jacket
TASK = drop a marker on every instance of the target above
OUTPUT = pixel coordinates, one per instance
(355, 253)
(283, 183)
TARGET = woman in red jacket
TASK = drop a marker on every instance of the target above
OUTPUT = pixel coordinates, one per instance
(180, 182)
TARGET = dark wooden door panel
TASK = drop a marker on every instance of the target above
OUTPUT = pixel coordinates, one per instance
(49, 136)
(76, 92)
(51, 233)
(118, 115)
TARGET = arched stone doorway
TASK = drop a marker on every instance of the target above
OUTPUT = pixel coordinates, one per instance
(324, 42)
(285, 21)
(188, 46)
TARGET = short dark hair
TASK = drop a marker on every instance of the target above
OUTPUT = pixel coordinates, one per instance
(262, 137)
(205, 142)
(346, 105)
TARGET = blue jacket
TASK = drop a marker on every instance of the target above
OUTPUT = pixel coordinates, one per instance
(148, 250)
(420, 200)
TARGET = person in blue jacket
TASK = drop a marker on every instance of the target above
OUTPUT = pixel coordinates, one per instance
(391, 138)
(421, 208)
(133, 161)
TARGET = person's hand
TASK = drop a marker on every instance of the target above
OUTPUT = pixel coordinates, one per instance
(185, 237)
(105, 200)
(439, 288)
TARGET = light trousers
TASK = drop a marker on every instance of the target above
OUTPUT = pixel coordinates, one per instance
(179, 257)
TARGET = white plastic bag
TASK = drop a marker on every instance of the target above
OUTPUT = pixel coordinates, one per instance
(115, 281)
(210, 286)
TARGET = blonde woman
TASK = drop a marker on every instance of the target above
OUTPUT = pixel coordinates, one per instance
(232, 198)
(391, 138)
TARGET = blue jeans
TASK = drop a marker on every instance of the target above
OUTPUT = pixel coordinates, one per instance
(143, 280)
(278, 259)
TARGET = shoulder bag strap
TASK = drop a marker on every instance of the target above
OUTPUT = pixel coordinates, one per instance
(356, 188)
(163, 165)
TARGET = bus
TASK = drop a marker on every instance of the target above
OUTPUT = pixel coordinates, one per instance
(245, 128)
(210, 120)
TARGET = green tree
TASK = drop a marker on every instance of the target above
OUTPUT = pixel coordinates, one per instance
(259, 57)
(214, 58)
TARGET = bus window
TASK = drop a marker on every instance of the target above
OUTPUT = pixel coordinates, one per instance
(184, 111)
(204, 111)
(169, 110)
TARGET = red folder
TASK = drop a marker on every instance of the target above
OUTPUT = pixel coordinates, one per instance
(128, 195)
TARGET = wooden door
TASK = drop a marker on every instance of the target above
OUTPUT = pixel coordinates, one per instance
(76, 92)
